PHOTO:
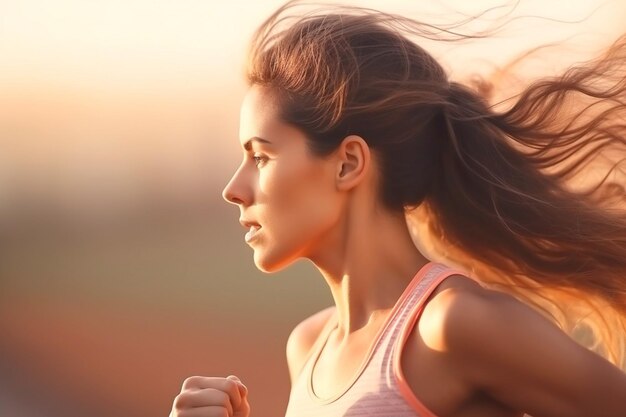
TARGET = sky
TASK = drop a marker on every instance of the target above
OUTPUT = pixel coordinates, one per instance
(106, 102)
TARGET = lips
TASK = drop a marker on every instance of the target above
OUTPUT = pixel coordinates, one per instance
(248, 223)
(252, 226)
(252, 233)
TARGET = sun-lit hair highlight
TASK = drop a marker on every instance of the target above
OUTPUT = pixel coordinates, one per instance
(498, 189)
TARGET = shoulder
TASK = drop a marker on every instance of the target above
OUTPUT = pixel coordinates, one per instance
(461, 311)
(488, 336)
(498, 345)
(302, 338)
(453, 338)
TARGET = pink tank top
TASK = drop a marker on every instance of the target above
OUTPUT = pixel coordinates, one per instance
(379, 388)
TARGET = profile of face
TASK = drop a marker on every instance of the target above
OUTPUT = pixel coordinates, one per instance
(281, 186)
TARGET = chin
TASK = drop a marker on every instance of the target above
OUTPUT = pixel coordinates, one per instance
(269, 264)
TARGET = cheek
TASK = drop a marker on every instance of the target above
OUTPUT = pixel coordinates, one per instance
(299, 196)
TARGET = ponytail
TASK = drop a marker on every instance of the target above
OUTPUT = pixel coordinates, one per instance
(517, 224)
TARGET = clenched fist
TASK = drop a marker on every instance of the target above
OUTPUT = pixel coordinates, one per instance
(206, 396)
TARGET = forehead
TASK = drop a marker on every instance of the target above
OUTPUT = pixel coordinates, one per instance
(258, 115)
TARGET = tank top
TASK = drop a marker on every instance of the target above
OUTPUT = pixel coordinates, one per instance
(378, 389)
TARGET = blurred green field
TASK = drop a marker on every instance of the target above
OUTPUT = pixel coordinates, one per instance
(109, 321)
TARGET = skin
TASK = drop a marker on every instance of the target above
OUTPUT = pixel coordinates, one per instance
(202, 396)
(494, 355)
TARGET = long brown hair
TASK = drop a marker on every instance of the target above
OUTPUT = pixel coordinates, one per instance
(492, 189)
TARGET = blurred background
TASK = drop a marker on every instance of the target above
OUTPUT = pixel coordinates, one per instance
(122, 270)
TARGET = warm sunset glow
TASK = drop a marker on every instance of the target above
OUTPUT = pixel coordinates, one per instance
(122, 270)
(140, 92)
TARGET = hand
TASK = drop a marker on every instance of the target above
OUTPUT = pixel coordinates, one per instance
(205, 396)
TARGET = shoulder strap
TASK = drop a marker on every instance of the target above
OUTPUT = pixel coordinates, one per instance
(431, 281)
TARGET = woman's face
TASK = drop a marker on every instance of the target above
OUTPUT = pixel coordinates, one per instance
(280, 186)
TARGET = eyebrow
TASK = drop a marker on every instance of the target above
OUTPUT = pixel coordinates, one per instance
(248, 144)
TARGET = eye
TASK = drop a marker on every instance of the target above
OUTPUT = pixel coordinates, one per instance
(258, 159)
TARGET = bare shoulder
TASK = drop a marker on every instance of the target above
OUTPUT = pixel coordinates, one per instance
(302, 338)
(500, 346)
(458, 305)
(453, 320)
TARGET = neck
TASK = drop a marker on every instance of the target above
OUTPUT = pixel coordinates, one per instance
(367, 268)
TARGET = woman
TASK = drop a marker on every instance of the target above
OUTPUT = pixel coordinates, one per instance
(347, 128)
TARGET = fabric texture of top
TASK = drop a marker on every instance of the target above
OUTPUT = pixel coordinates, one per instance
(378, 389)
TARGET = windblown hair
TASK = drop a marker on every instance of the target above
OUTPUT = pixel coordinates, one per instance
(492, 189)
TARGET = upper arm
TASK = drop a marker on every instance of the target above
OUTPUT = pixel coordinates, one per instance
(518, 357)
(302, 338)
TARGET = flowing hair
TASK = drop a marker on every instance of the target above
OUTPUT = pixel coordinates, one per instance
(491, 191)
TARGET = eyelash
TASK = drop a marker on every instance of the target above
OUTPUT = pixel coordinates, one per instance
(258, 159)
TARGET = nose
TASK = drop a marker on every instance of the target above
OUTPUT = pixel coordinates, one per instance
(236, 191)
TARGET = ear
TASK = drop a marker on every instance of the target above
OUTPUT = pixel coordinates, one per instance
(353, 162)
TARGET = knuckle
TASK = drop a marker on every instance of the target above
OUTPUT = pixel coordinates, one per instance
(180, 402)
(231, 385)
(192, 381)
